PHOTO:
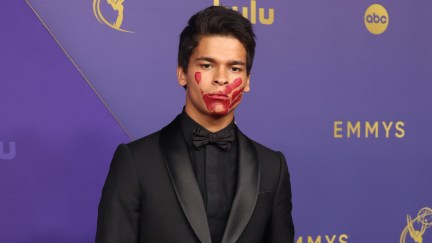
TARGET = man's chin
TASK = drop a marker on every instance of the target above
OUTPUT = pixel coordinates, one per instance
(218, 108)
(219, 113)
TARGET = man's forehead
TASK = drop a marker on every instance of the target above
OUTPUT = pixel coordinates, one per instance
(214, 48)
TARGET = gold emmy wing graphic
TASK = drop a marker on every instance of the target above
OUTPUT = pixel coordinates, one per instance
(117, 5)
(417, 227)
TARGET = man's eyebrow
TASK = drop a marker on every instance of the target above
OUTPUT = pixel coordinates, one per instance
(237, 63)
(208, 59)
(212, 60)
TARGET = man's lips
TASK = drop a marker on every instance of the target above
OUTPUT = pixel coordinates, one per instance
(218, 96)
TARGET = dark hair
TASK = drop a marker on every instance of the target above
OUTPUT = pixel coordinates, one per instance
(216, 20)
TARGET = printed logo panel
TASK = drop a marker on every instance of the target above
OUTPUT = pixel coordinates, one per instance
(376, 19)
(417, 228)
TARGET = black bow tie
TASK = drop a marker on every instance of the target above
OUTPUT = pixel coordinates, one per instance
(223, 139)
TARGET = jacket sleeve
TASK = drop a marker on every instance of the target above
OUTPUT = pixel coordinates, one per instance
(280, 228)
(119, 207)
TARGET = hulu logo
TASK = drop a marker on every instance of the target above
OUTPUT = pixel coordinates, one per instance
(7, 150)
(251, 13)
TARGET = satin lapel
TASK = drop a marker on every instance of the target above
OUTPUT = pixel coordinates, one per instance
(247, 190)
(183, 178)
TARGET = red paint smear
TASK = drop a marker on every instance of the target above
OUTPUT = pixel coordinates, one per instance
(213, 103)
(232, 86)
(237, 100)
(198, 77)
(236, 94)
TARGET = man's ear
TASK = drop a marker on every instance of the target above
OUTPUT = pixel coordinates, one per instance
(181, 76)
(247, 87)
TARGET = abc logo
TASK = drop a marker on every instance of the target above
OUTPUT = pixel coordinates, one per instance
(376, 19)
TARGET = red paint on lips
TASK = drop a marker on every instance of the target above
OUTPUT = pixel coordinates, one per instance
(213, 101)
(218, 96)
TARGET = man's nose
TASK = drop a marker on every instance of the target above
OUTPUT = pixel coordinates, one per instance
(221, 77)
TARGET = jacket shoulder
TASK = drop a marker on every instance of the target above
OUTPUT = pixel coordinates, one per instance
(266, 152)
(272, 162)
(144, 141)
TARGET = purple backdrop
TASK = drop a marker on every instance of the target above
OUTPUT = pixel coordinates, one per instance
(319, 76)
(62, 134)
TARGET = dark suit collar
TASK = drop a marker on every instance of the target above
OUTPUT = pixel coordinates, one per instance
(184, 181)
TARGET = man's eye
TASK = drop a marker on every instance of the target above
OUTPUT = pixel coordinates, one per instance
(206, 66)
(235, 69)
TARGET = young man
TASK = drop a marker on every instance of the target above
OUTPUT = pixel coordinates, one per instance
(200, 179)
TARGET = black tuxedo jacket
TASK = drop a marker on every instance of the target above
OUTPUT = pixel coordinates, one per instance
(151, 195)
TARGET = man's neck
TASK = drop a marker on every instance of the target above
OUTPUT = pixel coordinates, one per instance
(211, 123)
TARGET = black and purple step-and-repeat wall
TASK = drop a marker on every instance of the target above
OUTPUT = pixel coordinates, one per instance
(343, 88)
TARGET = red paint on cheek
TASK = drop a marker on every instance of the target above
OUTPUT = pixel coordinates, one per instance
(236, 94)
(237, 100)
(198, 77)
(232, 86)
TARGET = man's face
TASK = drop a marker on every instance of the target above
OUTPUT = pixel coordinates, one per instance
(216, 77)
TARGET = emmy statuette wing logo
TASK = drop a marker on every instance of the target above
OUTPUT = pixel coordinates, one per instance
(117, 6)
(417, 227)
